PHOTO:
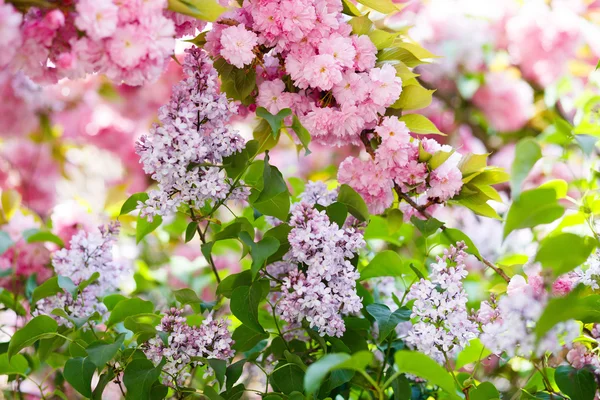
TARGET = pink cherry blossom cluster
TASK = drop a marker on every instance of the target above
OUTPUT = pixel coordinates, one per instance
(335, 89)
(185, 151)
(509, 325)
(319, 283)
(398, 164)
(183, 342)
(443, 328)
(129, 41)
(89, 253)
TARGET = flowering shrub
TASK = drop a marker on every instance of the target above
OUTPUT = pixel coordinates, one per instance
(317, 199)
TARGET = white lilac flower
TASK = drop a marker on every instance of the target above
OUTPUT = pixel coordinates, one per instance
(184, 152)
(88, 253)
(511, 327)
(440, 305)
(212, 339)
(320, 286)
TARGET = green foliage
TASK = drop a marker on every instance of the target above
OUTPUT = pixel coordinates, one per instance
(564, 252)
(79, 372)
(100, 352)
(245, 301)
(275, 121)
(385, 263)
(129, 307)
(260, 251)
(40, 327)
(527, 152)
(533, 207)
(316, 372)
(132, 202)
(575, 305)
(578, 384)
(387, 320)
(139, 378)
(412, 362)
(417, 123)
(356, 205)
(207, 10)
(274, 198)
(143, 227)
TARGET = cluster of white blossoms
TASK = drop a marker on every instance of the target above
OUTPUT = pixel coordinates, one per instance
(590, 275)
(89, 253)
(184, 153)
(318, 280)
(212, 339)
(443, 328)
(509, 325)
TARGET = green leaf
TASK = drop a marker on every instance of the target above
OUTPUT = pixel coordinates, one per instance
(49, 288)
(112, 300)
(414, 363)
(474, 352)
(132, 202)
(418, 123)
(66, 284)
(237, 83)
(484, 391)
(36, 236)
(232, 282)
(246, 338)
(139, 377)
(564, 252)
(427, 227)
(103, 381)
(188, 296)
(413, 97)
(79, 372)
(5, 242)
(578, 384)
(128, 308)
(527, 152)
(287, 378)
(275, 121)
(337, 212)
(143, 227)
(100, 352)
(16, 365)
(219, 367)
(234, 371)
(206, 10)
(190, 231)
(356, 205)
(260, 251)
(572, 306)
(472, 163)
(387, 320)
(350, 8)
(385, 263)
(317, 371)
(302, 133)
(382, 39)
(274, 199)
(245, 301)
(40, 327)
(361, 25)
(383, 6)
(533, 207)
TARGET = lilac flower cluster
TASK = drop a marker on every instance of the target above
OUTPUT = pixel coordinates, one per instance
(443, 328)
(89, 252)
(212, 339)
(509, 326)
(590, 275)
(321, 283)
(184, 152)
